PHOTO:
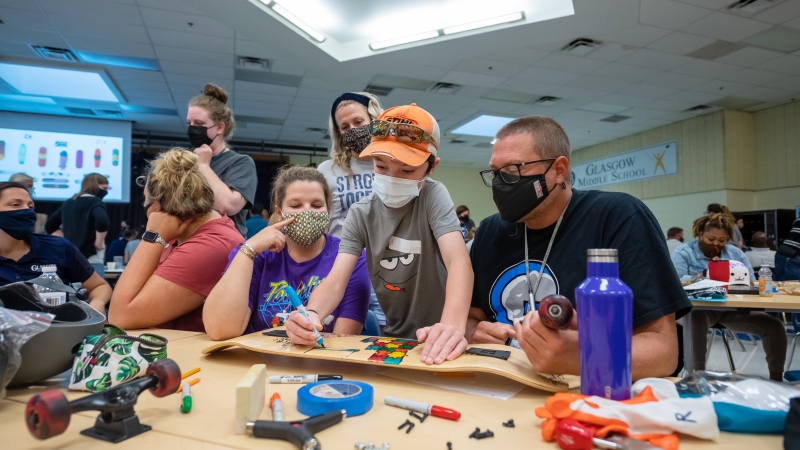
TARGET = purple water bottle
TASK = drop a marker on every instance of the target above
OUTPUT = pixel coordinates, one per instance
(605, 327)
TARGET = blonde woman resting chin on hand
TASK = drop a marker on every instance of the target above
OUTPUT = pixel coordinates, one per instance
(182, 253)
(250, 296)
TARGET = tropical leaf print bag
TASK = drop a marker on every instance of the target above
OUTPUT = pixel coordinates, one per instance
(114, 357)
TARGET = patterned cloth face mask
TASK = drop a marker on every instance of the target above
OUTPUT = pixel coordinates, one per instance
(307, 228)
(356, 139)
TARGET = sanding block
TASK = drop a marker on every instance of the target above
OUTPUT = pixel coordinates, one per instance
(250, 397)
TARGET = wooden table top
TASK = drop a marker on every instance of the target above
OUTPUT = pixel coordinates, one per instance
(210, 424)
(781, 302)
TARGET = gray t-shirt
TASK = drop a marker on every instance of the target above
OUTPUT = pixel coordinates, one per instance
(346, 190)
(131, 247)
(239, 173)
(403, 257)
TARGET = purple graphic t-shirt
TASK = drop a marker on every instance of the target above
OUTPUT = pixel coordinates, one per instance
(272, 271)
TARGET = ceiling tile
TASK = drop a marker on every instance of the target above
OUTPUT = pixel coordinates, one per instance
(652, 59)
(9, 33)
(577, 93)
(473, 79)
(179, 21)
(256, 50)
(261, 88)
(780, 13)
(16, 49)
(26, 18)
(787, 84)
(754, 76)
(171, 5)
(124, 73)
(669, 105)
(637, 35)
(194, 69)
(703, 68)
(668, 14)
(766, 94)
(787, 64)
(524, 55)
(649, 91)
(569, 63)
(782, 39)
(547, 75)
(280, 101)
(680, 43)
(749, 56)
(599, 83)
(697, 98)
(625, 72)
(611, 51)
(624, 99)
(192, 56)
(117, 48)
(530, 87)
(489, 67)
(728, 88)
(586, 116)
(105, 30)
(726, 27)
(191, 41)
(98, 10)
(676, 80)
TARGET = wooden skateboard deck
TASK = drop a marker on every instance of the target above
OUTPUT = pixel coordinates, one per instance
(404, 353)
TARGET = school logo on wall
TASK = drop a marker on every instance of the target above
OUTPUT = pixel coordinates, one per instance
(649, 162)
(510, 291)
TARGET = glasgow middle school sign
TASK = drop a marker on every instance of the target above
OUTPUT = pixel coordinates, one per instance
(649, 162)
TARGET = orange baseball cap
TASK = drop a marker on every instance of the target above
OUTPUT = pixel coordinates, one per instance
(406, 152)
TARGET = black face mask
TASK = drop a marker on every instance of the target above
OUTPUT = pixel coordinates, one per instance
(198, 136)
(18, 223)
(464, 219)
(101, 193)
(515, 201)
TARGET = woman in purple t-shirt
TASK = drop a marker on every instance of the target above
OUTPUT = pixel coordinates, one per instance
(251, 294)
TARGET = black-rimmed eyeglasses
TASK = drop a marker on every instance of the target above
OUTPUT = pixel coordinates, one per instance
(510, 174)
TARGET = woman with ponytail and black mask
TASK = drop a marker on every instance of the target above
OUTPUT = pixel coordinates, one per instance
(22, 253)
(232, 176)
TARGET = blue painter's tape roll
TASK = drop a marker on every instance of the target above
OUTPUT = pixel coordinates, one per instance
(354, 397)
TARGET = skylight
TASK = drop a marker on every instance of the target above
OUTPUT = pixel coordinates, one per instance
(484, 125)
(55, 82)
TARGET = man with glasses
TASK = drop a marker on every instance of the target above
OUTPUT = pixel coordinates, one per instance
(536, 246)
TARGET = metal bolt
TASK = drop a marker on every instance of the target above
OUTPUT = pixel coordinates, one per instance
(370, 446)
(385, 446)
(360, 446)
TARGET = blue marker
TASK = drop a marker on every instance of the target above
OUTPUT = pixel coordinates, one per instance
(298, 305)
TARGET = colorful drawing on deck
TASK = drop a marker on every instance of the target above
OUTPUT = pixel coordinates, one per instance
(389, 350)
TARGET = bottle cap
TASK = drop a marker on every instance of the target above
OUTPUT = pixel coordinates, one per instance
(602, 255)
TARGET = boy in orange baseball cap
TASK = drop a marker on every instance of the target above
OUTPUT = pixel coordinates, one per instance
(418, 263)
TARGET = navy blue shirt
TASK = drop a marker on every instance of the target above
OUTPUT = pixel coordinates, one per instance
(254, 225)
(71, 265)
(116, 248)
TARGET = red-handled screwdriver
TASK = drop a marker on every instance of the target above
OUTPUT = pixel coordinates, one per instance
(573, 435)
(555, 311)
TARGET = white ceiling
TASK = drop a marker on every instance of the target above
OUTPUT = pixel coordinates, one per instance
(642, 69)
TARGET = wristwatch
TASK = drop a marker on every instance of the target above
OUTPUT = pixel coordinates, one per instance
(152, 236)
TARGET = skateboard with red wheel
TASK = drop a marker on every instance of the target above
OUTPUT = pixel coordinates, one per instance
(47, 414)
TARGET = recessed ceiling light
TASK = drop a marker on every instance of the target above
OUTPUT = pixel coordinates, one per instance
(54, 82)
(404, 40)
(483, 125)
(294, 20)
(508, 18)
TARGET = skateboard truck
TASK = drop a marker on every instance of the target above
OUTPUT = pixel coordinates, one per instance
(298, 432)
(47, 414)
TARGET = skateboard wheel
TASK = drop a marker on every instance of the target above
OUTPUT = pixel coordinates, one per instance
(555, 311)
(168, 375)
(47, 414)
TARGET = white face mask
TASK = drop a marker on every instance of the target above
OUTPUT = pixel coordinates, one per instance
(395, 192)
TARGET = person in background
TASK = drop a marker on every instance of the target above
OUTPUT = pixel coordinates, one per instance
(350, 174)
(182, 254)
(117, 246)
(231, 175)
(716, 208)
(418, 263)
(84, 220)
(760, 253)
(22, 253)
(674, 238)
(713, 232)
(23, 179)
(131, 246)
(532, 155)
(249, 295)
(256, 222)
(467, 224)
(787, 259)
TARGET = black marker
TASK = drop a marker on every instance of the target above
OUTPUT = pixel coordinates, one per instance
(301, 379)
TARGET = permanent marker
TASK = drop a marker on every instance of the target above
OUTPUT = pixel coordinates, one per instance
(186, 401)
(301, 379)
(276, 405)
(436, 411)
(302, 309)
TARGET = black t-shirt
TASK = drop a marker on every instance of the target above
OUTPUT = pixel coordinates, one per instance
(238, 172)
(594, 219)
(81, 218)
(71, 265)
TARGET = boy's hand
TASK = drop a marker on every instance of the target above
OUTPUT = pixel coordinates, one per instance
(300, 330)
(442, 342)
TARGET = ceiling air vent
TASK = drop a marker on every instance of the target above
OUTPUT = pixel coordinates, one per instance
(81, 111)
(700, 108)
(751, 6)
(444, 88)
(547, 101)
(321, 131)
(615, 118)
(581, 47)
(252, 63)
(378, 90)
(54, 53)
(108, 113)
